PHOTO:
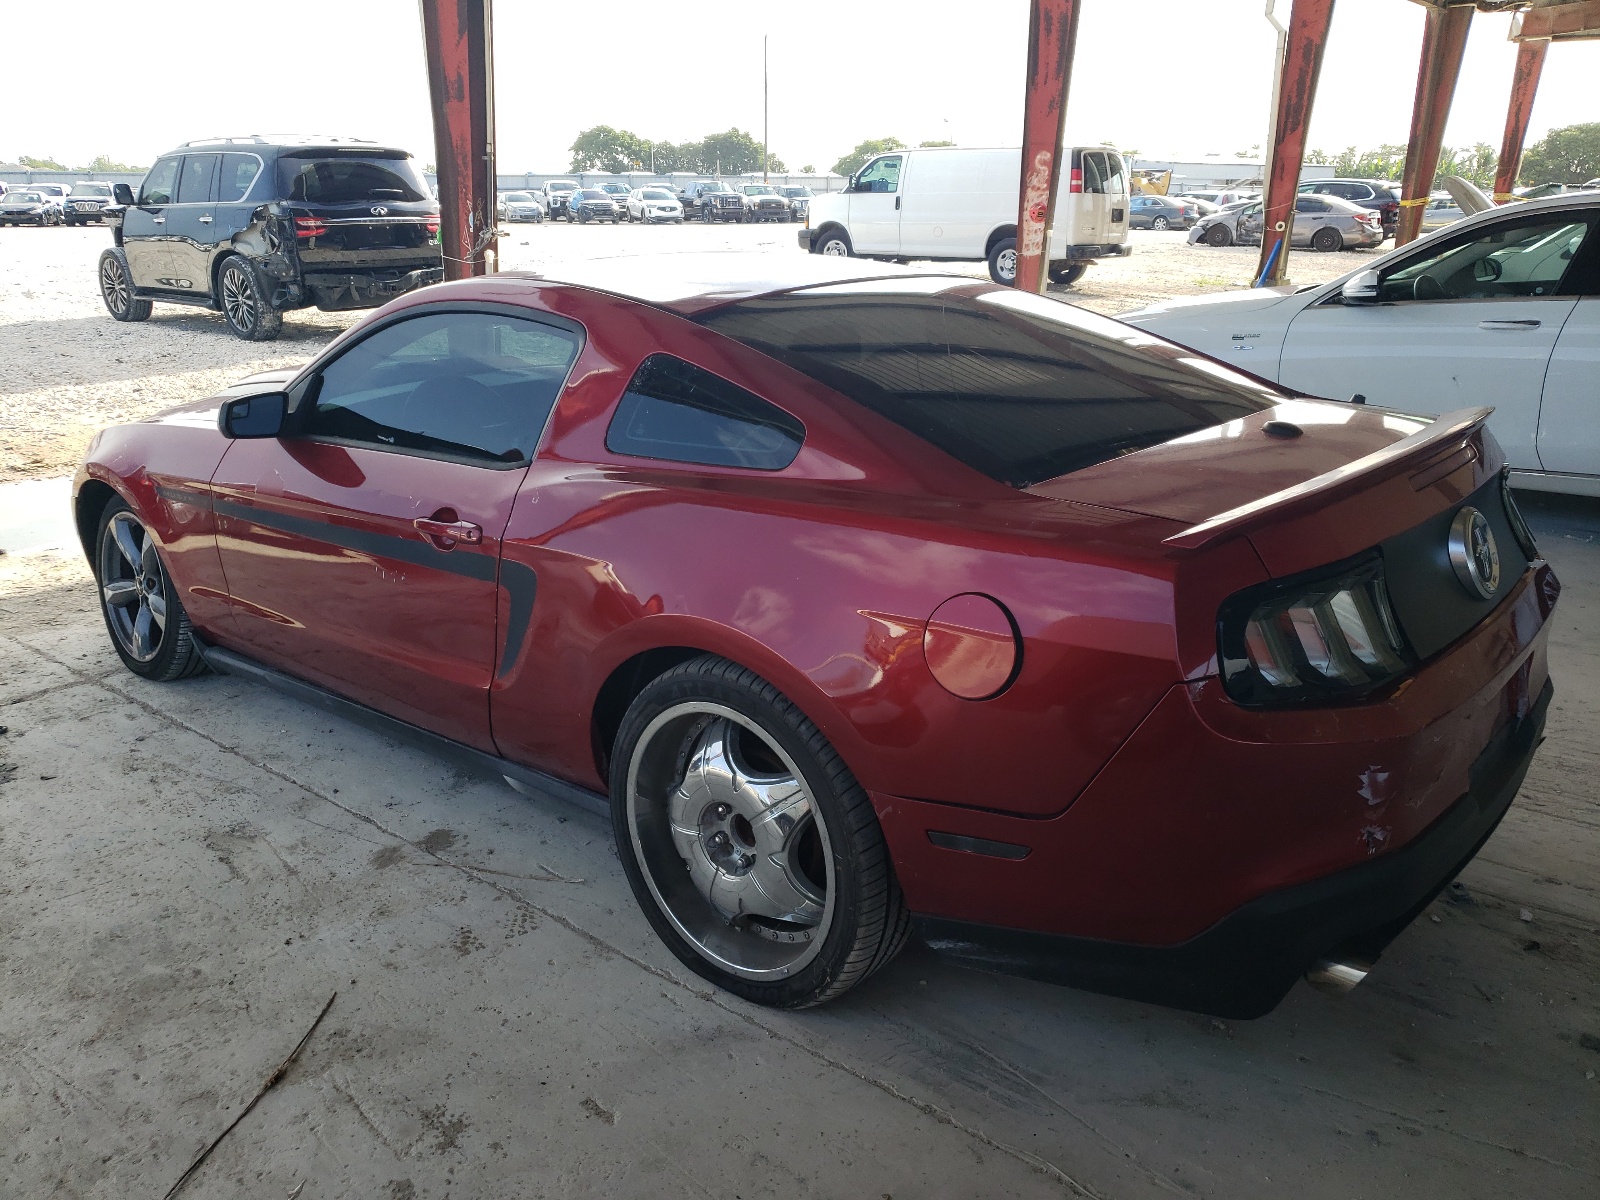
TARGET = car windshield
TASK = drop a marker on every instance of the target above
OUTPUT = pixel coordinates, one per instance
(760, 190)
(797, 192)
(350, 180)
(24, 198)
(594, 194)
(92, 189)
(1018, 387)
(560, 185)
(715, 187)
(518, 198)
(655, 194)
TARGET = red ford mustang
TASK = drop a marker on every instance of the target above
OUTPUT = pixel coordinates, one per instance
(866, 601)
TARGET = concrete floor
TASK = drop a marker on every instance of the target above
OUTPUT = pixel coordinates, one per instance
(188, 871)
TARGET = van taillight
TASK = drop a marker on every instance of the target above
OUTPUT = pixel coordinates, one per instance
(309, 227)
(1075, 184)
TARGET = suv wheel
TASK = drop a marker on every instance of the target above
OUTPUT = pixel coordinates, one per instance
(116, 288)
(244, 303)
(753, 851)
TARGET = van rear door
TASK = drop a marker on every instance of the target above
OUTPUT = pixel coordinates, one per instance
(1092, 207)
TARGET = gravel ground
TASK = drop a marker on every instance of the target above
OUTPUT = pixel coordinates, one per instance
(71, 369)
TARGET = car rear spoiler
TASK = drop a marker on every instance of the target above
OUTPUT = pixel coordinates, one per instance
(1434, 445)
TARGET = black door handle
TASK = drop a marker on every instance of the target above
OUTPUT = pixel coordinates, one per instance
(897, 203)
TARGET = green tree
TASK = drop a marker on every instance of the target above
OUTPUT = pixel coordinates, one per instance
(734, 153)
(104, 163)
(603, 148)
(929, 145)
(1567, 155)
(41, 164)
(808, 169)
(853, 162)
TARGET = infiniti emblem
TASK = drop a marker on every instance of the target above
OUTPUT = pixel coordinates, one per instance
(380, 211)
(1473, 553)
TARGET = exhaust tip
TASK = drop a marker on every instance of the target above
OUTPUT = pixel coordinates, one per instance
(1337, 978)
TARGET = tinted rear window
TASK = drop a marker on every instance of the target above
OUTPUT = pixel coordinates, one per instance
(351, 180)
(1018, 387)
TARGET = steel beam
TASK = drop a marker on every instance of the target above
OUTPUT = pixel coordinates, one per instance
(1559, 19)
(1296, 90)
(1524, 86)
(1444, 40)
(458, 39)
(1052, 34)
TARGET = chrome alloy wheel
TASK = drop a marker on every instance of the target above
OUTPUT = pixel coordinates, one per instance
(133, 587)
(1007, 262)
(729, 841)
(114, 286)
(238, 297)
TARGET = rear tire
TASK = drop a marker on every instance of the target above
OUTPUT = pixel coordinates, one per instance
(1067, 274)
(1327, 240)
(1160, 223)
(149, 629)
(752, 849)
(244, 301)
(1003, 262)
(116, 288)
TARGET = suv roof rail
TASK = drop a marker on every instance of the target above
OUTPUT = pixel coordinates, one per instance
(253, 139)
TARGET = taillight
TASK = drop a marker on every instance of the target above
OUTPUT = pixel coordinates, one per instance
(1315, 639)
(1075, 183)
(310, 227)
(432, 226)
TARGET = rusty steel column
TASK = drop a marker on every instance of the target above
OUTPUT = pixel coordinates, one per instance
(457, 35)
(1297, 90)
(1052, 33)
(1444, 40)
(1524, 86)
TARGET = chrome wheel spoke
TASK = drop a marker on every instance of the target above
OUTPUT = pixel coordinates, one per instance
(148, 562)
(120, 593)
(157, 604)
(143, 643)
(122, 533)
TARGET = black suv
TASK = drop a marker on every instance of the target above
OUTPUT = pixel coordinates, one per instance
(253, 228)
(1379, 195)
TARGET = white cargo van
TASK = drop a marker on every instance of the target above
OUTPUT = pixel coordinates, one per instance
(953, 204)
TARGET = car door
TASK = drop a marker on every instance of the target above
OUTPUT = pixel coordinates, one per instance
(1569, 417)
(361, 551)
(144, 225)
(875, 206)
(1465, 321)
(1247, 227)
(1311, 213)
(190, 222)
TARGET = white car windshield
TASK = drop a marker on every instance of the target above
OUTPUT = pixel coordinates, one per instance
(655, 194)
(24, 198)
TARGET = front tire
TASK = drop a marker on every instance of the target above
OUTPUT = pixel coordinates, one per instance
(1003, 262)
(835, 243)
(116, 288)
(149, 629)
(244, 301)
(753, 851)
(1217, 235)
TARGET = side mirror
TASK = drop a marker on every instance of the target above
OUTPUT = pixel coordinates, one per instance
(1363, 289)
(254, 416)
(122, 194)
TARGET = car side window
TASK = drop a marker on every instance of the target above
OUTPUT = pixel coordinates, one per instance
(162, 182)
(676, 411)
(1526, 259)
(471, 386)
(194, 182)
(1310, 204)
(880, 175)
(238, 173)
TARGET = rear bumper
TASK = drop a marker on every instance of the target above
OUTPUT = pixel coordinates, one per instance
(334, 291)
(1244, 964)
(1088, 253)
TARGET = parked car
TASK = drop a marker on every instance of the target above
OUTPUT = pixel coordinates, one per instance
(56, 193)
(653, 206)
(1321, 222)
(851, 728)
(254, 228)
(1441, 210)
(592, 204)
(618, 192)
(711, 200)
(763, 202)
(1381, 196)
(799, 198)
(1202, 208)
(954, 204)
(27, 206)
(1501, 308)
(557, 192)
(1222, 197)
(1159, 212)
(521, 206)
(87, 201)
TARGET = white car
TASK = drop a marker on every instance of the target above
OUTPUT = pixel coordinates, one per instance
(1501, 309)
(654, 205)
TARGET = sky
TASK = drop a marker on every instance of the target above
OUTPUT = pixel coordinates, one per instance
(1164, 78)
